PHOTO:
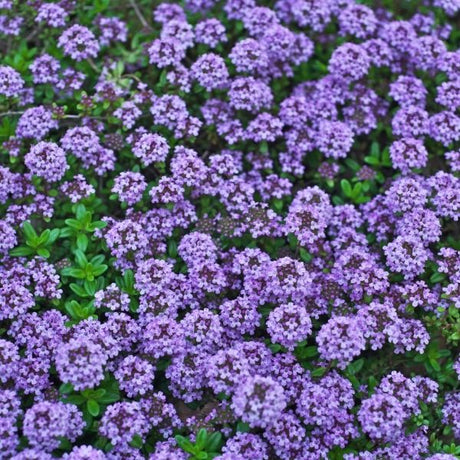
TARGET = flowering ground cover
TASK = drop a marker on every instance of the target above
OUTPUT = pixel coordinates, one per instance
(230, 229)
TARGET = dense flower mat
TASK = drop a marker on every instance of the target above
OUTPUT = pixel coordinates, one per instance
(229, 229)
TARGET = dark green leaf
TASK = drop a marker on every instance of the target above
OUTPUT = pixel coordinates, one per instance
(66, 388)
(93, 407)
(213, 442)
(346, 187)
(29, 231)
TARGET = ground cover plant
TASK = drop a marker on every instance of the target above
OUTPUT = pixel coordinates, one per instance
(229, 229)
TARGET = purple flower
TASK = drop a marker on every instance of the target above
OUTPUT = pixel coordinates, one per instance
(407, 255)
(382, 417)
(264, 127)
(210, 32)
(36, 123)
(334, 139)
(350, 62)
(162, 336)
(129, 186)
(288, 325)
(410, 121)
(84, 453)
(81, 362)
(249, 55)
(11, 82)
(45, 69)
(128, 113)
(258, 19)
(79, 43)
(210, 71)
(249, 445)
(407, 335)
(166, 52)
(54, 15)
(408, 91)
(166, 12)
(450, 412)
(112, 29)
(77, 188)
(135, 375)
(259, 401)
(357, 20)
(151, 148)
(399, 34)
(408, 153)
(341, 339)
(315, 14)
(45, 422)
(122, 421)
(8, 238)
(47, 160)
(247, 93)
(444, 127)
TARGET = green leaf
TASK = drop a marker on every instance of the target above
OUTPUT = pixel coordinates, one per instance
(93, 407)
(375, 149)
(43, 238)
(80, 211)
(29, 231)
(346, 187)
(278, 204)
(319, 372)
(75, 399)
(305, 255)
(109, 398)
(75, 273)
(242, 427)
(137, 442)
(185, 444)
(21, 251)
(100, 270)
(98, 224)
(97, 260)
(43, 252)
(66, 232)
(201, 438)
(73, 223)
(90, 287)
(79, 290)
(213, 442)
(355, 366)
(54, 235)
(66, 388)
(372, 161)
(356, 190)
(437, 277)
(82, 242)
(128, 278)
(434, 364)
(303, 353)
(81, 259)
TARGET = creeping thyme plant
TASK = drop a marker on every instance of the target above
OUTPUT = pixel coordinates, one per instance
(229, 229)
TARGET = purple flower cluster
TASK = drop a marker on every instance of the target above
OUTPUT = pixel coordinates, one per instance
(245, 220)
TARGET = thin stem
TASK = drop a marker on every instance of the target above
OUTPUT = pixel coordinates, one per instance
(93, 64)
(5, 114)
(139, 14)
(134, 77)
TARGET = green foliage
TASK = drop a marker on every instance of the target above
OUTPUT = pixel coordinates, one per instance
(206, 446)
